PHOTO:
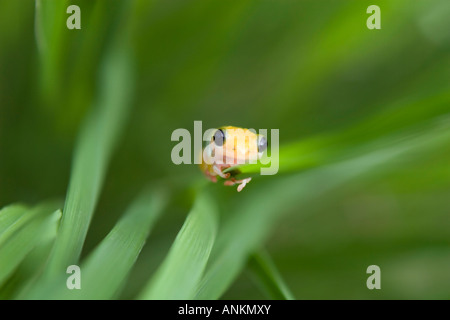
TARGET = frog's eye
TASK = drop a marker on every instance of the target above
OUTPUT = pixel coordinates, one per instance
(262, 144)
(219, 137)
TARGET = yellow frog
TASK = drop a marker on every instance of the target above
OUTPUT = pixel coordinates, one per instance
(228, 147)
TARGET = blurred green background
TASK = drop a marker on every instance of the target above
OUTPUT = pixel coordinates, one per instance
(363, 117)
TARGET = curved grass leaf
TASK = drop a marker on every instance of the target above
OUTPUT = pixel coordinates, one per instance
(251, 222)
(180, 272)
(49, 24)
(32, 266)
(332, 147)
(105, 270)
(10, 218)
(23, 237)
(27, 273)
(267, 275)
(94, 147)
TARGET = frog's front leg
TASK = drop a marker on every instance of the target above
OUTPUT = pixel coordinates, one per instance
(211, 176)
(242, 183)
(218, 170)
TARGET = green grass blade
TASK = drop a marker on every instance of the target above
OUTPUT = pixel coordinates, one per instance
(335, 146)
(9, 216)
(18, 244)
(27, 273)
(266, 274)
(49, 23)
(92, 153)
(180, 272)
(251, 222)
(49, 28)
(105, 270)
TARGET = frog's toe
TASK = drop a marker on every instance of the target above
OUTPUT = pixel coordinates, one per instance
(229, 183)
(219, 172)
(243, 184)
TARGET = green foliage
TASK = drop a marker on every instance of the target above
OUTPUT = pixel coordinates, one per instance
(268, 276)
(106, 268)
(21, 235)
(94, 146)
(364, 149)
(187, 256)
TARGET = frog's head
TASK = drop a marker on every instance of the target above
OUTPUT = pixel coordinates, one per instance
(237, 145)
